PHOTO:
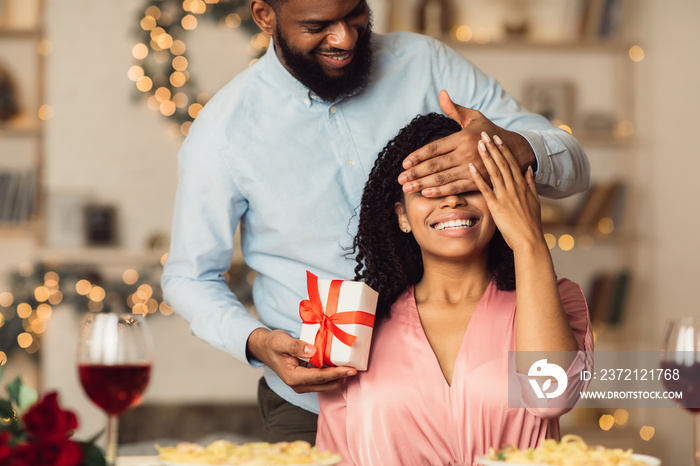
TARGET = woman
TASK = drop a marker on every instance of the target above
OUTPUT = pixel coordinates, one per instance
(437, 387)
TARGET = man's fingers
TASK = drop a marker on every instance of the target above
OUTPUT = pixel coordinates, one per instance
(456, 187)
(283, 343)
(441, 178)
(305, 380)
(301, 349)
(456, 112)
(430, 151)
(448, 107)
(326, 387)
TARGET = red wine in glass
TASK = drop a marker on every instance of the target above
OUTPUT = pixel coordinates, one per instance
(115, 388)
(688, 383)
(114, 364)
(680, 357)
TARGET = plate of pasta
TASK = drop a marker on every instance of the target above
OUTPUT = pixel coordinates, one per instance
(225, 453)
(570, 451)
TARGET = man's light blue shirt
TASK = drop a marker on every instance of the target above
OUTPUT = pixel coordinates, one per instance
(267, 152)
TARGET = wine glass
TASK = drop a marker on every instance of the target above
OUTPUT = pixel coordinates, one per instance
(115, 354)
(680, 361)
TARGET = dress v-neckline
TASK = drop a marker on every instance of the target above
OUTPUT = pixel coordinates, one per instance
(462, 344)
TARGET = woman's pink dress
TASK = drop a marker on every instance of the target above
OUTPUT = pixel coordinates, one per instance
(401, 411)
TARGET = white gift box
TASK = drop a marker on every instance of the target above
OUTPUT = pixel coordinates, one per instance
(355, 298)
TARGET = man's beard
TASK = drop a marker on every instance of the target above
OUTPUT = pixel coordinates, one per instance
(310, 73)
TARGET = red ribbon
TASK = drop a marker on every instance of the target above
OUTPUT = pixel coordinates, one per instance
(311, 312)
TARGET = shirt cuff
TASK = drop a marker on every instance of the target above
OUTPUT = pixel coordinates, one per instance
(544, 172)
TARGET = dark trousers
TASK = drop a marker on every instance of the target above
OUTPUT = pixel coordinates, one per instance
(283, 421)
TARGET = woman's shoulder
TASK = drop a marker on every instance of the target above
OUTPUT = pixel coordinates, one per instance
(402, 310)
(405, 299)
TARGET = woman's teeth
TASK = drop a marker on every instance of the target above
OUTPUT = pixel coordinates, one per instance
(466, 223)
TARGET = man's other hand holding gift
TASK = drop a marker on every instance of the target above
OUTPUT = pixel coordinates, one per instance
(279, 351)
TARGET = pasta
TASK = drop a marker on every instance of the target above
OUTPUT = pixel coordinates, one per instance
(571, 451)
(223, 452)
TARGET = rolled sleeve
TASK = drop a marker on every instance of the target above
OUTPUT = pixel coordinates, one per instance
(562, 166)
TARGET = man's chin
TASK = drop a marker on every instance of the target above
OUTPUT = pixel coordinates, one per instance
(328, 80)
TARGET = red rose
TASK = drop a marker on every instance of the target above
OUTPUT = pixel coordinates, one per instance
(4, 447)
(47, 422)
(67, 453)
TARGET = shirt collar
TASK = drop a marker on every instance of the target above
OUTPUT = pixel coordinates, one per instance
(280, 75)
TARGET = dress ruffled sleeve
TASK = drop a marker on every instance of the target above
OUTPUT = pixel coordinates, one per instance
(576, 309)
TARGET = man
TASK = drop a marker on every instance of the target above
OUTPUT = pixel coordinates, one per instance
(286, 147)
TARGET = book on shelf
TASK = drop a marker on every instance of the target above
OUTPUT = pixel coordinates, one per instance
(601, 200)
(607, 296)
(17, 196)
(599, 19)
(8, 198)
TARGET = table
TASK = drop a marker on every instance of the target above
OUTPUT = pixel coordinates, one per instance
(138, 461)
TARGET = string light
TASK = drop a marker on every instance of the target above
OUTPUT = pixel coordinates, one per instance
(606, 225)
(45, 112)
(33, 321)
(130, 276)
(621, 416)
(636, 53)
(24, 310)
(6, 299)
(83, 287)
(647, 433)
(97, 294)
(462, 33)
(160, 54)
(551, 240)
(606, 422)
(24, 339)
(41, 293)
(566, 242)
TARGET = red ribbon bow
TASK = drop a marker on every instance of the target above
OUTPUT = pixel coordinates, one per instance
(311, 312)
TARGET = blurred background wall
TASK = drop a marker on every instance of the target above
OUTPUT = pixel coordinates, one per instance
(102, 144)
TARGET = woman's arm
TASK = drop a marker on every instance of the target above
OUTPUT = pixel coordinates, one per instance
(540, 322)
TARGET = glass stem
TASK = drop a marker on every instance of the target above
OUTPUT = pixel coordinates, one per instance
(111, 448)
(696, 451)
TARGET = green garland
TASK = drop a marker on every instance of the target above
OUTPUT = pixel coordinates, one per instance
(38, 290)
(166, 17)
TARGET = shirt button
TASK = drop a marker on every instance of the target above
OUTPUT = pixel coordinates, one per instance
(333, 109)
(307, 101)
(350, 162)
(539, 177)
(558, 182)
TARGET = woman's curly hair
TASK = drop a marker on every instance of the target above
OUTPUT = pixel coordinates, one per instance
(389, 260)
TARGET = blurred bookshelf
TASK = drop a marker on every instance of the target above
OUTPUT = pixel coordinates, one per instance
(23, 51)
(582, 78)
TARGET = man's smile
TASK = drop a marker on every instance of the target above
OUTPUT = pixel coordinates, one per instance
(337, 60)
